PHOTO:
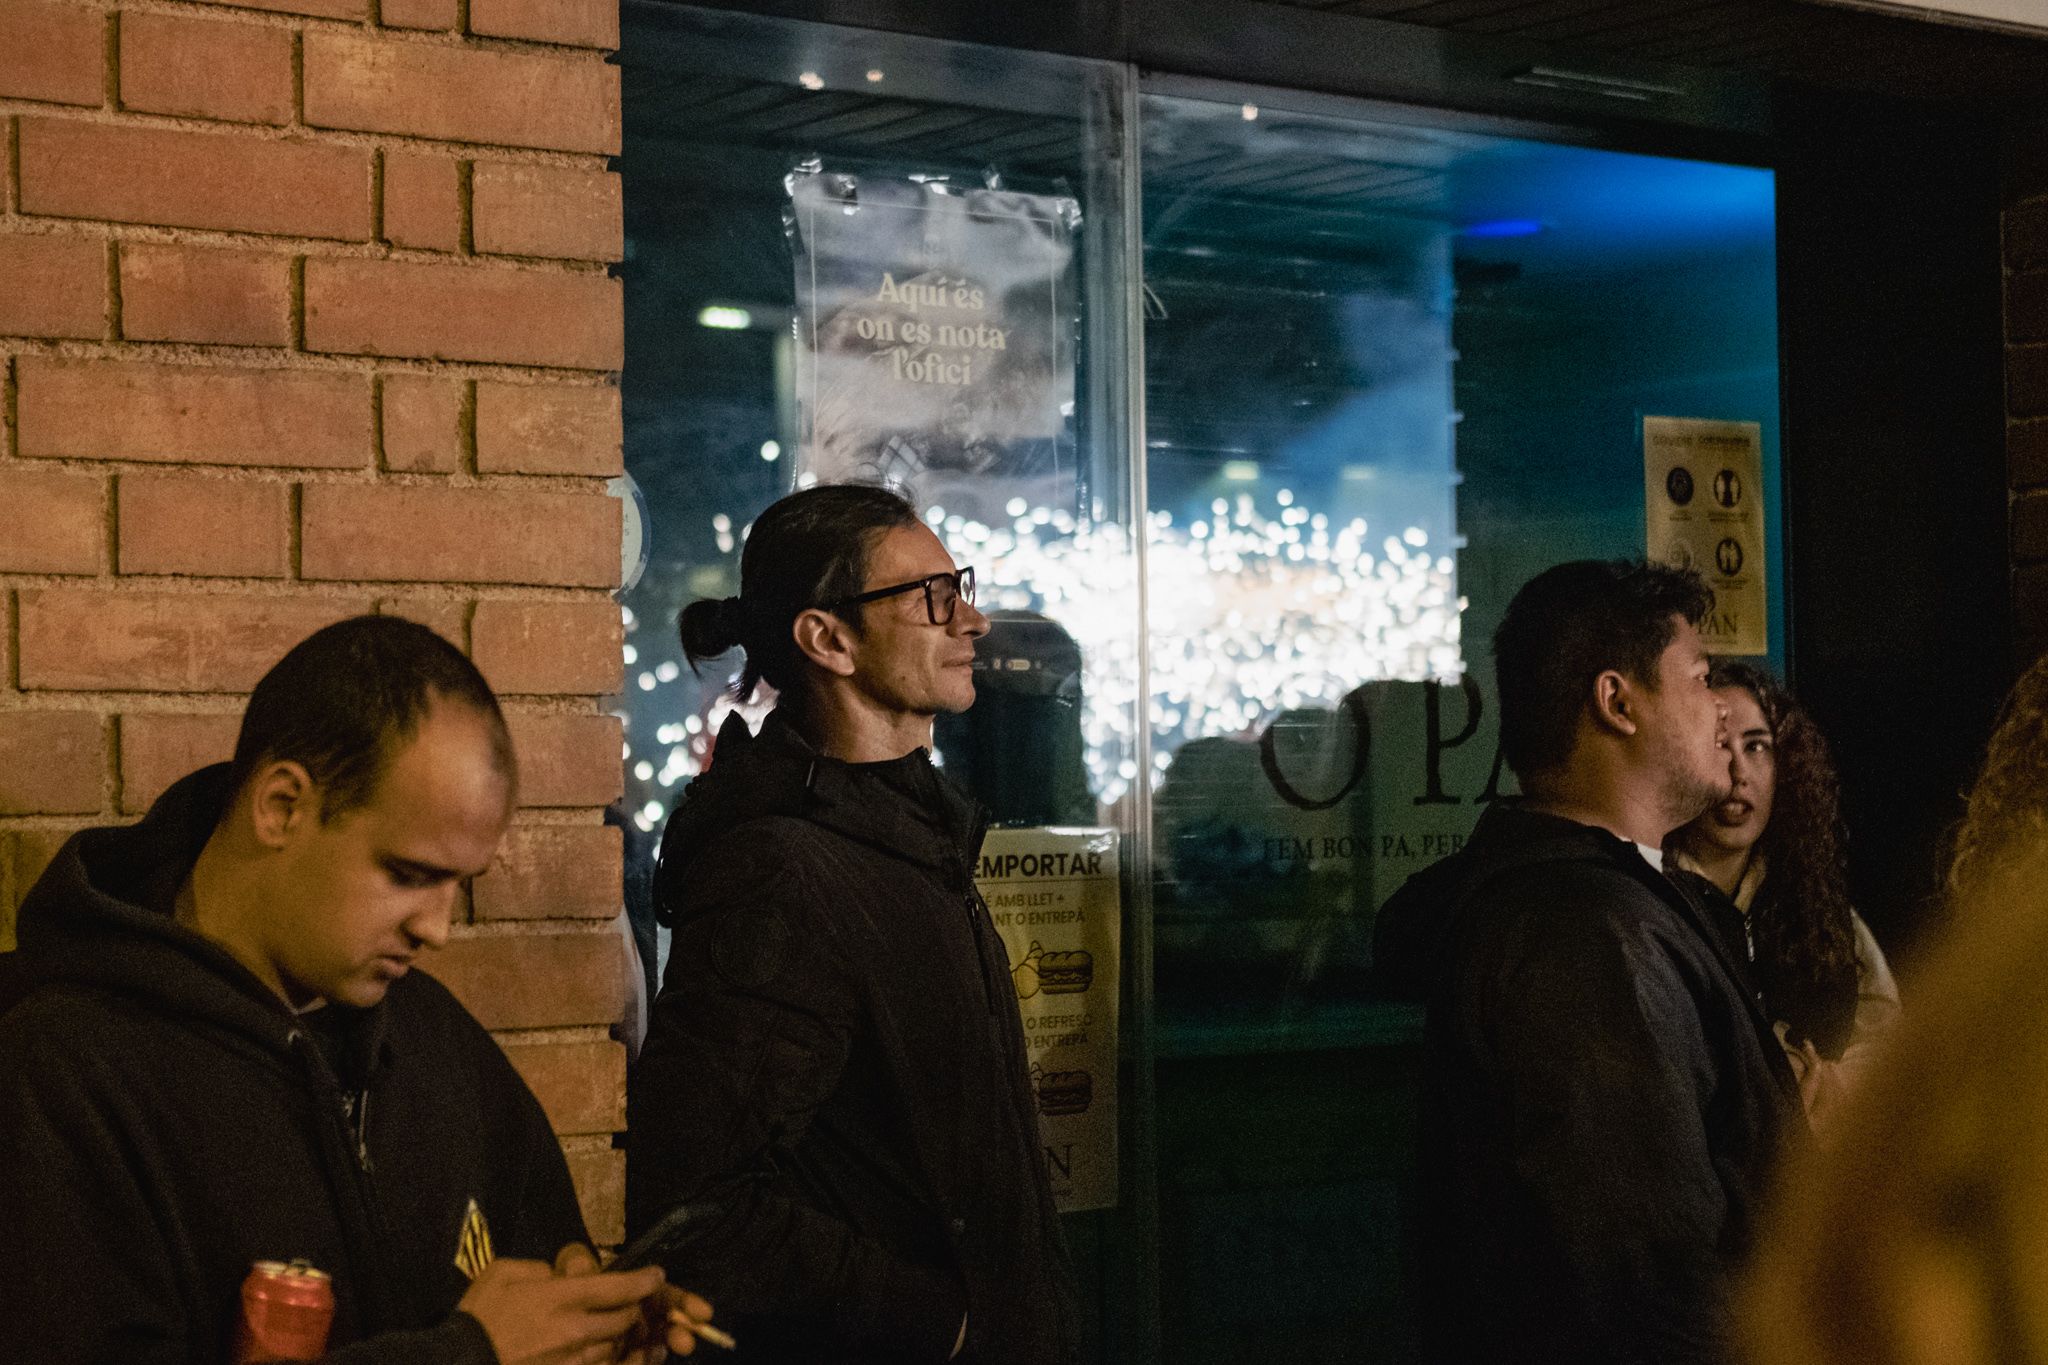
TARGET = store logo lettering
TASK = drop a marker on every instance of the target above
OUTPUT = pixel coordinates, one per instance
(1435, 746)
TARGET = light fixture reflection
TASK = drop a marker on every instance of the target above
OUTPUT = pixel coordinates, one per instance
(724, 318)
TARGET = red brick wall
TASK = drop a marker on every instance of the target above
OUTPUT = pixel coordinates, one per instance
(304, 311)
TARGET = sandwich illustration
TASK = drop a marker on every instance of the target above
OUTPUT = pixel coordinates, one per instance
(1062, 1092)
(1053, 973)
(1066, 973)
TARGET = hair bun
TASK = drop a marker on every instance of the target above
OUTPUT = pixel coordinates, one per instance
(712, 626)
(729, 618)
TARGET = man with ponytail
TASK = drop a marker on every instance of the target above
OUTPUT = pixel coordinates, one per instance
(832, 1108)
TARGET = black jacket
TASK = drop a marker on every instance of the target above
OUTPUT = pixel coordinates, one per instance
(835, 1071)
(1601, 1099)
(165, 1121)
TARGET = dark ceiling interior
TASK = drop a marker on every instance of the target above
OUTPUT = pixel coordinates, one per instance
(1798, 39)
(1705, 64)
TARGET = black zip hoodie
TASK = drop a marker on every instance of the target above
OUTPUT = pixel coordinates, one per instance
(835, 1071)
(1601, 1099)
(165, 1121)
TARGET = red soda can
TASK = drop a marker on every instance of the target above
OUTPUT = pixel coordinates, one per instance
(286, 1313)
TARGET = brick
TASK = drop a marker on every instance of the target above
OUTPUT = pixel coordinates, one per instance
(52, 762)
(422, 419)
(447, 617)
(515, 981)
(2026, 381)
(157, 750)
(2026, 453)
(550, 647)
(458, 535)
(226, 298)
(547, 211)
(55, 522)
(428, 14)
(205, 68)
(2030, 603)
(321, 9)
(186, 414)
(2030, 526)
(26, 853)
(582, 1086)
(554, 872)
(423, 201)
(578, 23)
(2026, 235)
(52, 52)
(462, 312)
(459, 94)
(203, 527)
(600, 1178)
(53, 286)
(568, 760)
(2026, 306)
(548, 429)
(235, 182)
(35, 850)
(122, 641)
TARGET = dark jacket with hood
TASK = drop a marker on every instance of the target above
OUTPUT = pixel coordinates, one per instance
(835, 1072)
(165, 1121)
(1601, 1099)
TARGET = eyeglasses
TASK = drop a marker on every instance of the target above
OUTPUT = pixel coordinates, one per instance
(943, 592)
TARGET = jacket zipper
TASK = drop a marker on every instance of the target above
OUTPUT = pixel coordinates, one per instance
(975, 916)
(354, 1122)
(362, 1108)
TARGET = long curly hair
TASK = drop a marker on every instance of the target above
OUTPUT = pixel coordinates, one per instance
(2008, 803)
(1801, 921)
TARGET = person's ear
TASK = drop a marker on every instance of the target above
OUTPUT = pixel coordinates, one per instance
(825, 640)
(282, 801)
(1614, 703)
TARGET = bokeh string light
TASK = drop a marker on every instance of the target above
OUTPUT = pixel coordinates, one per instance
(1250, 616)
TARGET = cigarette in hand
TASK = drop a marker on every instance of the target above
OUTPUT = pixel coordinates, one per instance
(703, 1331)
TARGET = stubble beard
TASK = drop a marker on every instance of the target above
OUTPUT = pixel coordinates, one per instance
(1688, 795)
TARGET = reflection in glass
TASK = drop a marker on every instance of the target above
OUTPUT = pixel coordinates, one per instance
(1392, 370)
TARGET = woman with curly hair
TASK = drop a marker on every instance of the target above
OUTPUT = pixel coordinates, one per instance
(1773, 851)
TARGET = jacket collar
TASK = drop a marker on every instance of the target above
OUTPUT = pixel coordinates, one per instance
(903, 807)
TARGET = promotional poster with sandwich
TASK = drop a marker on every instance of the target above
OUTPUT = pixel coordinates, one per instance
(1052, 893)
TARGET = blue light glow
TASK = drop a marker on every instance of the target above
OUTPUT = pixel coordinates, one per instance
(1504, 227)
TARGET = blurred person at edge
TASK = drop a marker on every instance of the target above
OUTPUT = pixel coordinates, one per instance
(1913, 1237)
(834, 1075)
(1602, 1097)
(213, 1051)
(2007, 806)
(1774, 856)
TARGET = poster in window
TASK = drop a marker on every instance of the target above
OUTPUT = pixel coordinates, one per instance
(1053, 895)
(935, 328)
(1703, 492)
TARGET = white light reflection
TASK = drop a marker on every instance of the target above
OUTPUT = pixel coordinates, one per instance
(1250, 616)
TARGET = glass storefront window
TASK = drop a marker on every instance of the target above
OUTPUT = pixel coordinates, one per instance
(1393, 368)
(1389, 366)
(1392, 371)
(854, 256)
